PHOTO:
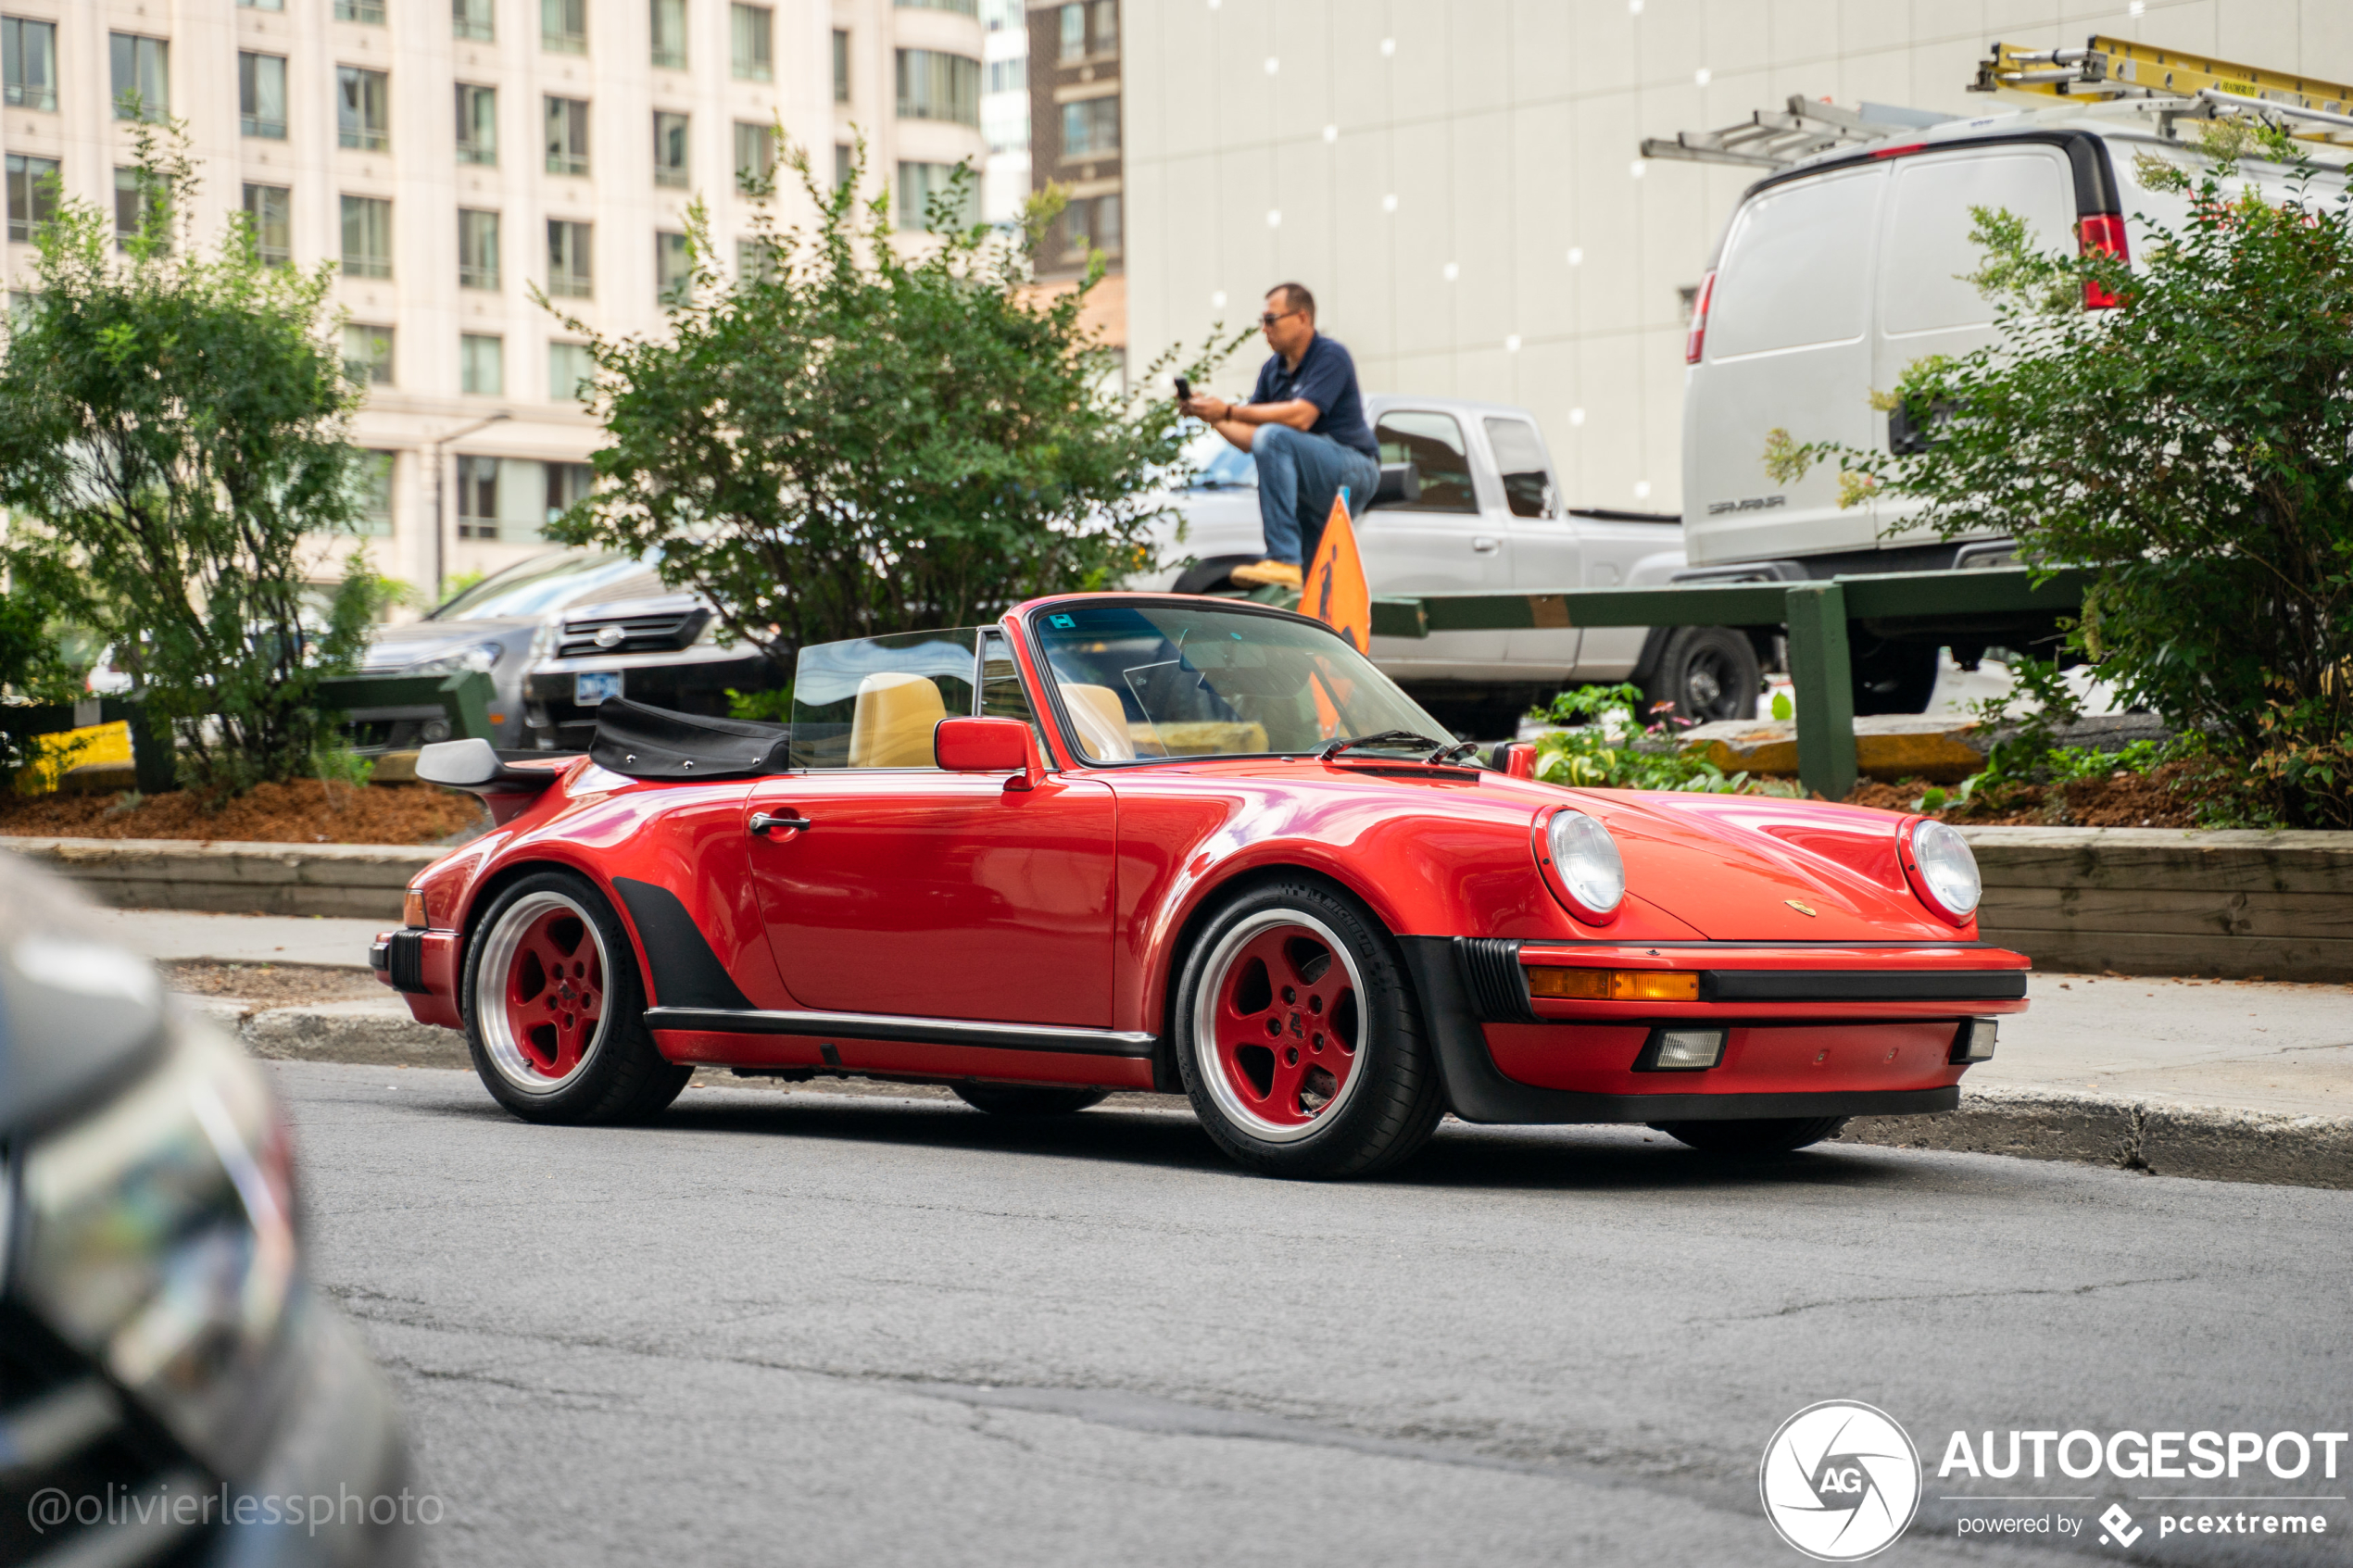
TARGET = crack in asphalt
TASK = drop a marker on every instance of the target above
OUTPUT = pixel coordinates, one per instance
(1797, 1307)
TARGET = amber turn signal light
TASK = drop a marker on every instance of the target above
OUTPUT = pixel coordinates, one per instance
(412, 908)
(1613, 984)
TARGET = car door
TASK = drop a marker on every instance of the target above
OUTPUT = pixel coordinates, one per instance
(1441, 544)
(923, 893)
(1547, 556)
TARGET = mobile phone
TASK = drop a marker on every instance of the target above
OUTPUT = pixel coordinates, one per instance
(1184, 390)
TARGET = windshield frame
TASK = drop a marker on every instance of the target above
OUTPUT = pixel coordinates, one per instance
(1046, 697)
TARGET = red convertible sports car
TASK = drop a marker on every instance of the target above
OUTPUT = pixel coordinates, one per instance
(1173, 843)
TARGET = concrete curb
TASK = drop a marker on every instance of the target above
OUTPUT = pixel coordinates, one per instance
(2164, 1138)
(349, 881)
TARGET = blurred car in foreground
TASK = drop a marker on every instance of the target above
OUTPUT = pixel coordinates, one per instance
(172, 1390)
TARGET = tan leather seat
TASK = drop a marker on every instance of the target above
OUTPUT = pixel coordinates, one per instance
(1100, 720)
(891, 726)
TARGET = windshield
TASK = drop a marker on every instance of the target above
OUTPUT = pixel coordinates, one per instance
(1141, 682)
(542, 584)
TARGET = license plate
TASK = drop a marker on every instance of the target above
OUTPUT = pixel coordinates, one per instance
(592, 687)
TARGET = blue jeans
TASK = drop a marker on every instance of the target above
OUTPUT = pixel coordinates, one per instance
(1298, 476)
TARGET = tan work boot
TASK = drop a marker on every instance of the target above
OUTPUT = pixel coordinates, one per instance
(1279, 572)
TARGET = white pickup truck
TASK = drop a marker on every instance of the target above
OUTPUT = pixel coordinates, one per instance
(1470, 504)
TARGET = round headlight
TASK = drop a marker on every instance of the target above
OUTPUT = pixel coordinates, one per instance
(1585, 863)
(1943, 871)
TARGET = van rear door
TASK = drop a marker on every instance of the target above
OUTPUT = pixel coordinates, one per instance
(1788, 343)
(1926, 302)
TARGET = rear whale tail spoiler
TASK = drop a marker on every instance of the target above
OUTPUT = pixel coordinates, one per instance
(507, 782)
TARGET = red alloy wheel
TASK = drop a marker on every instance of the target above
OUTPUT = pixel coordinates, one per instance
(1284, 1024)
(554, 992)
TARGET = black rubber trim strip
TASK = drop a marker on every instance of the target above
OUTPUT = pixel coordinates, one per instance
(1478, 1091)
(922, 1031)
(405, 961)
(1922, 943)
(1493, 979)
(1861, 985)
(686, 973)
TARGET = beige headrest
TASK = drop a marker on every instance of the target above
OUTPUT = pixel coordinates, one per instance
(1101, 722)
(893, 723)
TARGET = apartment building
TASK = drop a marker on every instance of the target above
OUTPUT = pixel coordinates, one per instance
(449, 155)
(1460, 183)
(1074, 136)
(1005, 111)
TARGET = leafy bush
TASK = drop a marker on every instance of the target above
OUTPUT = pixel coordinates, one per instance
(2193, 445)
(173, 425)
(1596, 753)
(853, 434)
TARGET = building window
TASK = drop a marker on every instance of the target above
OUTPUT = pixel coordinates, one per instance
(1074, 32)
(572, 373)
(933, 85)
(1089, 29)
(137, 202)
(845, 164)
(367, 354)
(1092, 222)
(752, 42)
(962, 8)
(1090, 127)
(570, 273)
(477, 124)
(841, 67)
(669, 20)
(261, 4)
(29, 49)
(755, 155)
(478, 492)
(563, 26)
(477, 249)
(141, 75)
(472, 19)
(375, 495)
(918, 183)
(670, 149)
(368, 11)
(673, 269)
(270, 210)
(482, 365)
(567, 136)
(367, 237)
(32, 194)
(261, 95)
(363, 109)
(756, 260)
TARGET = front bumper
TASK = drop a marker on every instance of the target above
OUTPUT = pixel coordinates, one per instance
(1826, 1031)
(421, 966)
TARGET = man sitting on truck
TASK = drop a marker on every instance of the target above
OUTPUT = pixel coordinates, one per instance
(1304, 430)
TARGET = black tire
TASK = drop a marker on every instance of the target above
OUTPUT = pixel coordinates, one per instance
(1026, 1099)
(1773, 1135)
(1709, 674)
(1894, 677)
(1386, 1100)
(616, 1074)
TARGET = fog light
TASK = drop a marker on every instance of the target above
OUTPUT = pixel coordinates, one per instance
(1682, 1051)
(1975, 1040)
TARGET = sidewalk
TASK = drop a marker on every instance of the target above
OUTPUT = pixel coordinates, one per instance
(2240, 1080)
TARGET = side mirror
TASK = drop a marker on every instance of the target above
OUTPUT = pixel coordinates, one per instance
(988, 746)
(1520, 760)
(1401, 484)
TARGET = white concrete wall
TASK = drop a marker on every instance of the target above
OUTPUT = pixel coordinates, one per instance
(1507, 131)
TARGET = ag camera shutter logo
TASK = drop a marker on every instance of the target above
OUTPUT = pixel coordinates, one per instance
(1841, 1481)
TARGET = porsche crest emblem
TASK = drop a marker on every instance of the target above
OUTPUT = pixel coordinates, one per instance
(1800, 909)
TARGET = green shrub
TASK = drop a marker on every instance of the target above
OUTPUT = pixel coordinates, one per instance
(1594, 753)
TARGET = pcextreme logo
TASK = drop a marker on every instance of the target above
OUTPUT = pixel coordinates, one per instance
(1841, 1481)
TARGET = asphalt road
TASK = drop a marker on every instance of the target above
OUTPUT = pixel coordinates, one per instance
(811, 1328)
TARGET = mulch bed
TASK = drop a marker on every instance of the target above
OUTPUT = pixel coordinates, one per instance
(2166, 798)
(300, 812)
(277, 984)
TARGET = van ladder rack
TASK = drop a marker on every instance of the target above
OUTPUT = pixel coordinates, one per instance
(2107, 69)
(1774, 140)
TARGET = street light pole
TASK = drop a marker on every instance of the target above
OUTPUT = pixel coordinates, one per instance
(440, 521)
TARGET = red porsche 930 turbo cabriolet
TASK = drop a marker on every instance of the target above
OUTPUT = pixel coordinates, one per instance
(1161, 843)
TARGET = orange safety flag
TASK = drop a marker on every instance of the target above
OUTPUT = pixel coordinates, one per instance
(1335, 592)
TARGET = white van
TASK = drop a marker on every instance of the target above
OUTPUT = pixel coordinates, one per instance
(1840, 271)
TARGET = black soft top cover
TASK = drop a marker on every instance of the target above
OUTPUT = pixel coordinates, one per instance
(644, 742)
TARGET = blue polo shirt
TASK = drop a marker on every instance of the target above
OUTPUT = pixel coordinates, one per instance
(1326, 377)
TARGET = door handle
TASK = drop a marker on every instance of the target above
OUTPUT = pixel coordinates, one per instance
(761, 822)
(1486, 545)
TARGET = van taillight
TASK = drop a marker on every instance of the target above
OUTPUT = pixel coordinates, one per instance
(1696, 339)
(2102, 233)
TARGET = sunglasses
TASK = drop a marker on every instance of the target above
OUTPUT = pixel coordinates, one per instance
(1270, 318)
